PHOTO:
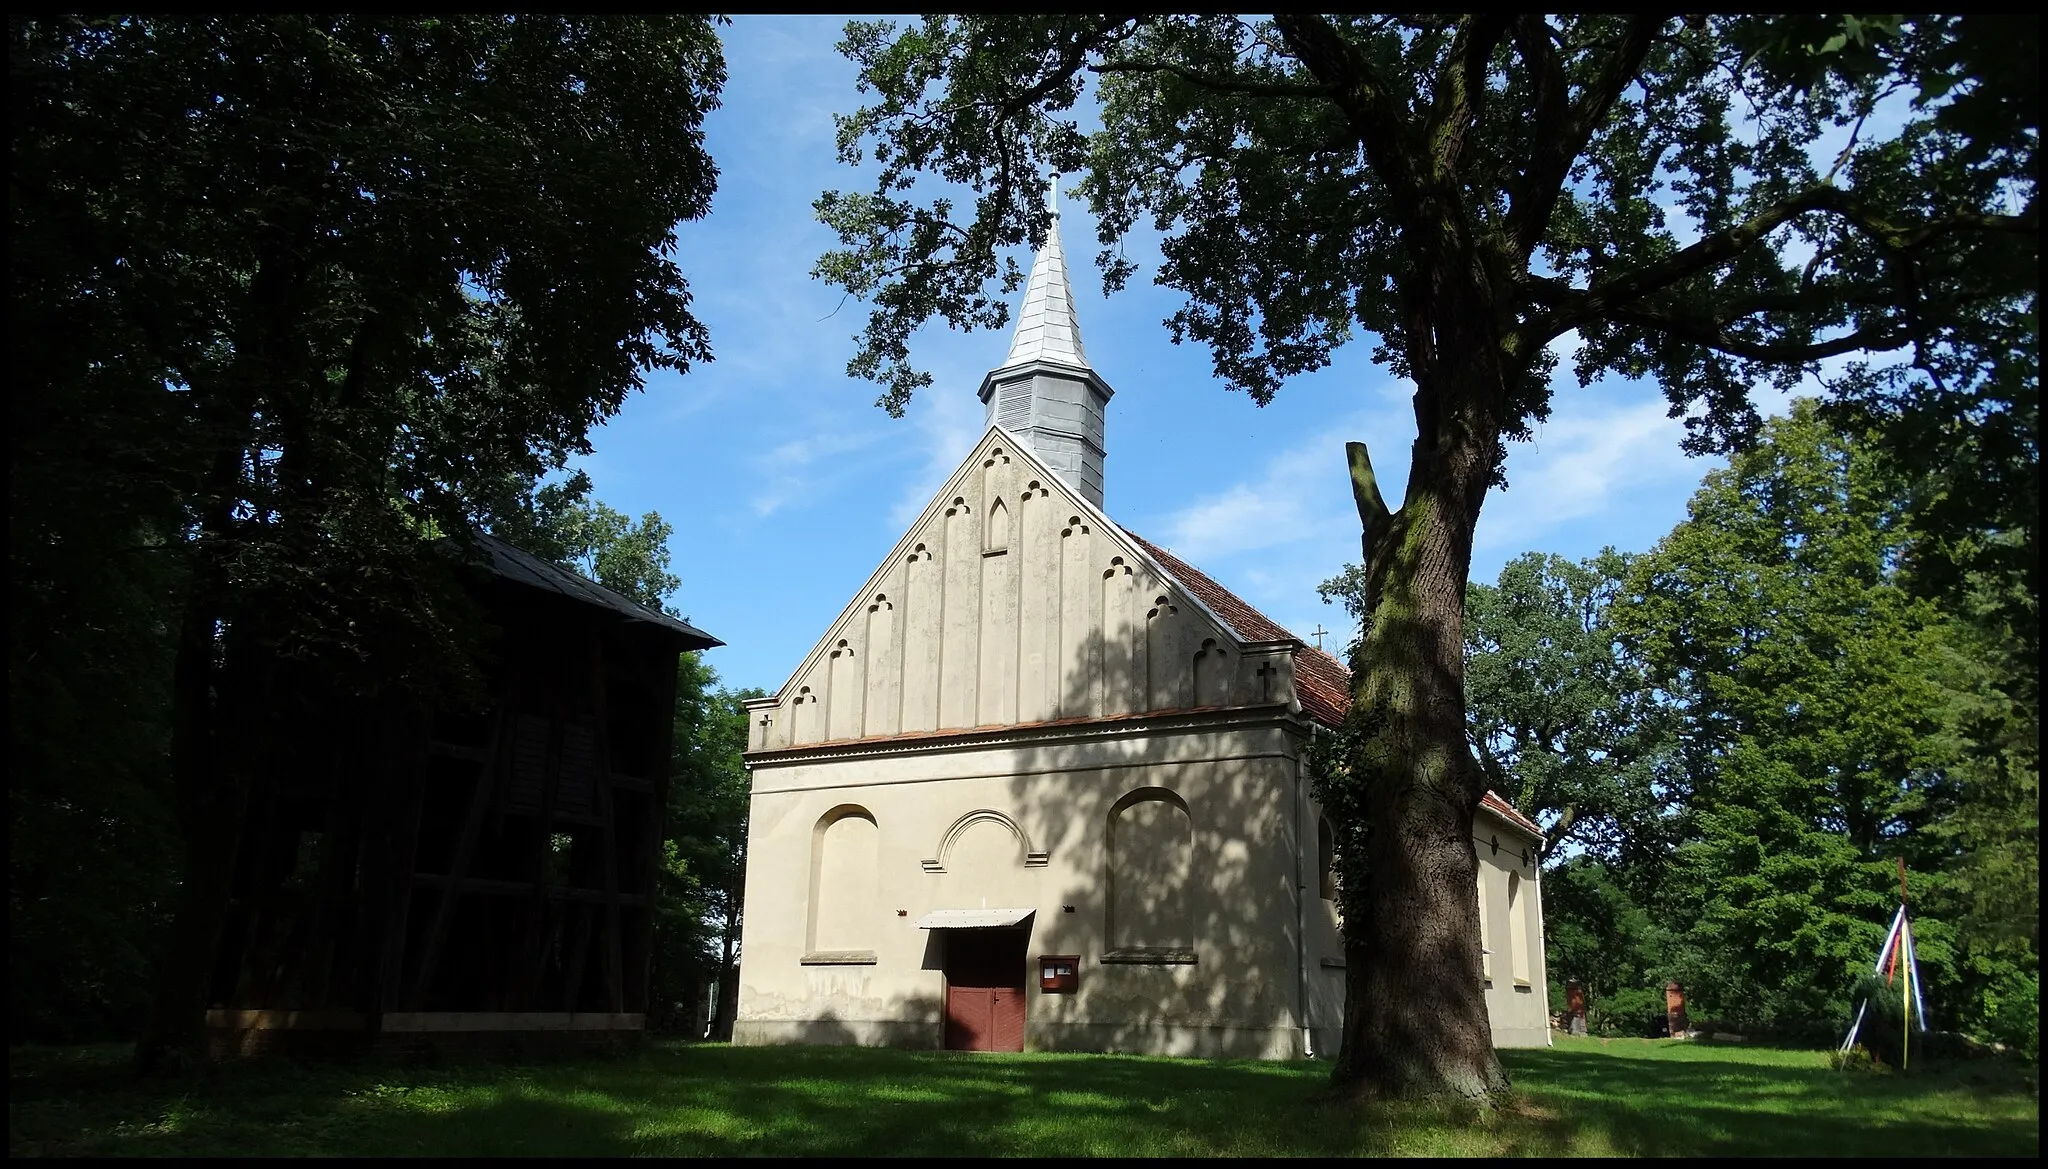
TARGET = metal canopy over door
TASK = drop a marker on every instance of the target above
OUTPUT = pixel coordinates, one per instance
(985, 972)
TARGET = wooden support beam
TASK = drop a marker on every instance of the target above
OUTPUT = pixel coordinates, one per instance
(579, 950)
(656, 829)
(534, 919)
(614, 933)
(494, 754)
(400, 760)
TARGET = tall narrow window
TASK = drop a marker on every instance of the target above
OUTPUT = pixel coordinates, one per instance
(1518, 938)
(1150, 863)
(1485, 933)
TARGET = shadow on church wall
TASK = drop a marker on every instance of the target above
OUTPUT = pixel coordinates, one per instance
(1183, 900)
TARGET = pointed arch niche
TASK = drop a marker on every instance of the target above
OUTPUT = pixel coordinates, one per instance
(1151, 859)
(844, 915)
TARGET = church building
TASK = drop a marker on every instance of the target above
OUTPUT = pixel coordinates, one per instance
(1043, 785)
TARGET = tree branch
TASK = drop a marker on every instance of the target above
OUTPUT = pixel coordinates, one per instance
(1605, 299)
(1567, 816)
(1560, 139)
(1461, 90)
(1365, 492)
(1379, 121)
(1072, 59)
(1711, 334)
(1217, 84)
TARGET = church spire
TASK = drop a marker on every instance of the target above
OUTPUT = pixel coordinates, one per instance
(1045, 392)
(1047, 329)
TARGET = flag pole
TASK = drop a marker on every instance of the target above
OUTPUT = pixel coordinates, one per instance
(1906, 983)
(1891, 936)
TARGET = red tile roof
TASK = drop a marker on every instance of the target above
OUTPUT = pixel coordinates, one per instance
(1323, 682)
(1506, 811)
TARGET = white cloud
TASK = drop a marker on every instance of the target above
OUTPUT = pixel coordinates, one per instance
(1580, 463)
(799, 466)
(947, 420)
(1290, 502)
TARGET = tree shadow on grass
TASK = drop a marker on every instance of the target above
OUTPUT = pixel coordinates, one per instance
(698, 1099)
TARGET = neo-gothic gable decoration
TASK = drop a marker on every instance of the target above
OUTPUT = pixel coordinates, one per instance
(1014, 601)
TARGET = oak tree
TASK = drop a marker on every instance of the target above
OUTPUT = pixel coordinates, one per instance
(1473, 192)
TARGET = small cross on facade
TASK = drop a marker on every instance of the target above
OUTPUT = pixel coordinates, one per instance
(1318, 633)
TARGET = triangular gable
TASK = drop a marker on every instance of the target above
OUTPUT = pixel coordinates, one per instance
(1012, 601)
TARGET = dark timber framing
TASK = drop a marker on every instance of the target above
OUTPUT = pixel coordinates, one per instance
(409, 875)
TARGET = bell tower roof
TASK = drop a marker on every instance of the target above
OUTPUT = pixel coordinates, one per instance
(1047, 329)
(1045, 393)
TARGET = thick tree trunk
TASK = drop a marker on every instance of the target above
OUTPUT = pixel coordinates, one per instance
(211, 802)
(1415, 1022)
(728, 976)
(211, 809)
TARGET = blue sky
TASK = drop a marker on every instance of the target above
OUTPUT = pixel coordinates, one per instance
(787, 485)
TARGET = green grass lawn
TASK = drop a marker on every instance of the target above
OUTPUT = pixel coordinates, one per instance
(1583, 1097)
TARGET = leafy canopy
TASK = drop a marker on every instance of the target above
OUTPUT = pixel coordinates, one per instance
(1656, 185)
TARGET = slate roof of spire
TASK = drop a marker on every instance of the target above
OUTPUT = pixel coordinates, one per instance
(1047, 329)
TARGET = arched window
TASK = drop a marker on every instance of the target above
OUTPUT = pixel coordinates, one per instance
(845, 874)
(1150, 861)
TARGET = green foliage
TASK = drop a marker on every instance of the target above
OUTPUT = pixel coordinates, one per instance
(704, 850)
(1813, 691)
(560, 522)
(2011, 1011)
(1602, 927)
(1818, 715)
(1305, 170)
(92, 846)
(1562, 717)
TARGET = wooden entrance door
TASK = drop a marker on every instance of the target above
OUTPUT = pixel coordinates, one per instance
(985, 972)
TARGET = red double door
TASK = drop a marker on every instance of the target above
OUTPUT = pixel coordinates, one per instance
(985, 970)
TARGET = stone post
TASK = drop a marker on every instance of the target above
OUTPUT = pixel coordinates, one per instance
(1674, 1010)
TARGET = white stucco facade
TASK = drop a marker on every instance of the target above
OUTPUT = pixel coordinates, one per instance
(1047, 718)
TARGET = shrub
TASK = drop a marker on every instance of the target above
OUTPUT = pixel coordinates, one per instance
(1629, 1011)
(2012, 1014)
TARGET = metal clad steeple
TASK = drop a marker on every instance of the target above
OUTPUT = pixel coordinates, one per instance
(1045, 392)
(1047, 329)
